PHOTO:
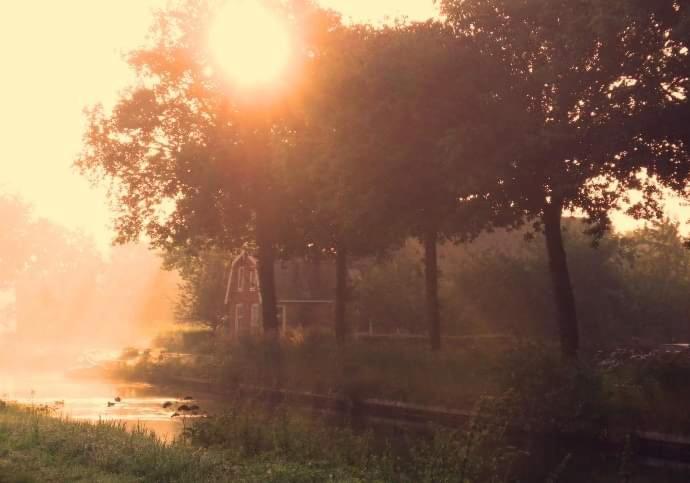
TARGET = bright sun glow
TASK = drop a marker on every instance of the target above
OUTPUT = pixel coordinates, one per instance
(250, 43)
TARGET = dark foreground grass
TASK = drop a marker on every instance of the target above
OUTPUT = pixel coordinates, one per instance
(622, 391)
(248, 443)
(262, 444)
(35, 447)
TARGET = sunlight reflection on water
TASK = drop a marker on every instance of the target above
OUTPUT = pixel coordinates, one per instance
(89, 400)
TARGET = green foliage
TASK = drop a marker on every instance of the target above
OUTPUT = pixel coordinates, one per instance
(198, 341)
(502, 113)
(629, 287)
(202, 292)
(548, 394)
(569, 126)
(384, 370)
(496, 267)
(43, 448)
(479, 454)
(248, 443)
(583, 84)
(390, 295)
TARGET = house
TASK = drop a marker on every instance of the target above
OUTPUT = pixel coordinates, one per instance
(304, 294)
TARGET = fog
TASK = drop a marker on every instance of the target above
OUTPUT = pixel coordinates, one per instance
(65, 303)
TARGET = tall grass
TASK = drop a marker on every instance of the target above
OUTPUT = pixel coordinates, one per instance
(633, 391)
(248, 443)
(105, 445)
(383, 370)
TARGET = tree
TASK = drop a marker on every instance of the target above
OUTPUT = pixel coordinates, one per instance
(192, 165)
(379, 108)
(16, 244)
(581, 82)
(390, 295)
(202, 291)
(657, 278)
(428, 83)
(339, 211)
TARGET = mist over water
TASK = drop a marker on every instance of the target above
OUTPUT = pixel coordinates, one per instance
(93, 400)
(65, 305)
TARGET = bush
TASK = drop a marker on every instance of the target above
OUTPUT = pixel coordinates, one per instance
(248, 431)
(197, 341)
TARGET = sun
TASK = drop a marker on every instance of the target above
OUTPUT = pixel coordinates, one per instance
(250, 43)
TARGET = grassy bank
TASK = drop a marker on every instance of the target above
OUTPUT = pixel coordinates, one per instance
(35, 447)
(641, 389)
(245, 444)
(405, 372)
(250, 443)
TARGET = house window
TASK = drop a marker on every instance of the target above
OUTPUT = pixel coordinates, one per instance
(240, 279)
(253, 281)
(239, 315)
(255, 315)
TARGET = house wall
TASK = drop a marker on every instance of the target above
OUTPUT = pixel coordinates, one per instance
(245, 294)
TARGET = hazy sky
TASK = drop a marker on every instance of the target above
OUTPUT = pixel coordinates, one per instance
(61, 56)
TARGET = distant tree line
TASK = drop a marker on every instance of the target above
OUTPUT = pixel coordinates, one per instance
(631, 287)
(58, 286)
(503, 114)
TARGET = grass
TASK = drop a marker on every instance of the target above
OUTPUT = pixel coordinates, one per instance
(452, 378)
(253, 443)
(35, 447)
(644, 390)
(246, 444)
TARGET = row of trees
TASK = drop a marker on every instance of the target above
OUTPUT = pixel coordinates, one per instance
(631, 287)
(505, 113)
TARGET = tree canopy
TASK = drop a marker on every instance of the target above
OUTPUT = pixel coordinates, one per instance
(500, 114)
(585, 78)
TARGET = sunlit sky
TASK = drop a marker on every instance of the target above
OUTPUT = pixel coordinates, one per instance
(61, 56)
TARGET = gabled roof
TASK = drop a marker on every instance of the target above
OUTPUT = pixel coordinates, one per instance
(242, 256)
(297, 279)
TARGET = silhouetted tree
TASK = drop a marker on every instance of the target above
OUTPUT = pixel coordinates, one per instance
(426, 83)
(339, 210)
(581, 81)
(193, 165)
(202, 291)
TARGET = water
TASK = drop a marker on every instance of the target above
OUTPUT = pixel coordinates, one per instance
(140, 404)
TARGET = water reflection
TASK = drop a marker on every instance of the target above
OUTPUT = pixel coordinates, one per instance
(96, 400)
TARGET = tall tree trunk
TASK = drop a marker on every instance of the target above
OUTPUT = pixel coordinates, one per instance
(431, 274)
(341, 291)
(560, 279)
(258, 152)
(266, 269)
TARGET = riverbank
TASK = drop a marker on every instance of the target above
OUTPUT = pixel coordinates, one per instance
(247, 443)
(258, 443)
(37, 447)
(640, 389)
